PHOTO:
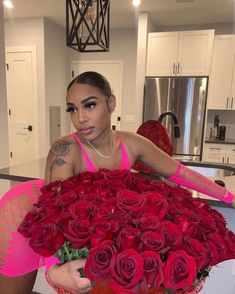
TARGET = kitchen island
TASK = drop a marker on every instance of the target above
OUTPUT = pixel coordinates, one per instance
(35, 170)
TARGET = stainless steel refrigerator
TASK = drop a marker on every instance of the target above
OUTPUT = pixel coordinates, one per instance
(186, 97)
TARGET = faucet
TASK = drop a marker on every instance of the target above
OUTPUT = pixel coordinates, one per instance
(175, 120)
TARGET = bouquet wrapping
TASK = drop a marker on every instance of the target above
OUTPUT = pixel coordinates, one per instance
(138, 235)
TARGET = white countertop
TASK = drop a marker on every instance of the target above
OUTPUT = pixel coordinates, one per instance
(35, 169)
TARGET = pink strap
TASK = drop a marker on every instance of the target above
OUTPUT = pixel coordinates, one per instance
(125, 161)
(193, 180)
(89, 164)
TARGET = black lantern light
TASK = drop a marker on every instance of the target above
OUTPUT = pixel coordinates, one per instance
(87, 25)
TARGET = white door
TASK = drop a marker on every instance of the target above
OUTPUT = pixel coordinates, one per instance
(20, 97)
(112, 70)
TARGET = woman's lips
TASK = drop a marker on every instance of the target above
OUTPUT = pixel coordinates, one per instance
(86, 131)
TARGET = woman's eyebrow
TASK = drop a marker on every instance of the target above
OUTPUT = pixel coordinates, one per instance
(88, 98)
(83, 101)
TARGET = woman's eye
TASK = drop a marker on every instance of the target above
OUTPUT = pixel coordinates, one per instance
(71, 109)
(90, 105)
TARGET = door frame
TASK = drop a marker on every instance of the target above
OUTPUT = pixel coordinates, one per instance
(33, 50)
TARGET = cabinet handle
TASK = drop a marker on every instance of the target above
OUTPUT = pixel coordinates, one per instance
(214, 148)
(227, 159)
(227, 102)
(223, 159)
(232, 103)
(178, 68)
(174, 68)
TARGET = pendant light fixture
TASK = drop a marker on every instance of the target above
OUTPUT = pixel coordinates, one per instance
(87, 25)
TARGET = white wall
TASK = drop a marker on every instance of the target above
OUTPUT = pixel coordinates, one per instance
(57, 67)
(123, 46)
(29, 31)
(4, 148)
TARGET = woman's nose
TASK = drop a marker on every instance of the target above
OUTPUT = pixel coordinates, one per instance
(82, 116)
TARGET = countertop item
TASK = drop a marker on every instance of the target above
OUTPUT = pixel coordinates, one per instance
(226, 141)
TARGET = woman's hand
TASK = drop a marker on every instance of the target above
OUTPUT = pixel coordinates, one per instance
(67, 276)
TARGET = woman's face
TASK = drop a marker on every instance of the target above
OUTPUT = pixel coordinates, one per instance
(90, 110)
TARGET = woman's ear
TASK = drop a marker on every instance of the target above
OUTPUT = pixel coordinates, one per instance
(112, 103)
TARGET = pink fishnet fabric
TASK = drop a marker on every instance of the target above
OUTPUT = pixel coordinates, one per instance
(16, 256)
(193, 180)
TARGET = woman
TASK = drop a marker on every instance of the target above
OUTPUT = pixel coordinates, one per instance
(90, 103)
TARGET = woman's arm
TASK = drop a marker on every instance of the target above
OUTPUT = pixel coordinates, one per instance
(17, 285)
(60, 165)
(177, 173)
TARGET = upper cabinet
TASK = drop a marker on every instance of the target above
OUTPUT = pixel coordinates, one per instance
(186, 53)
(221, 93)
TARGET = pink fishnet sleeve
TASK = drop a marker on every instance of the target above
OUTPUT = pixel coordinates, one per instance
(16, 256)
(191, 179)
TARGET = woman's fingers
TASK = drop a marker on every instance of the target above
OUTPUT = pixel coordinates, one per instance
(75, 265)
(68, 276)
(83, 285)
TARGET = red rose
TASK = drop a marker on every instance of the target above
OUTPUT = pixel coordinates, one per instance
(98, 261)
(131, 202)
(126, 272)
(220, 245)
(156, 203)
(27, 226)
(229, 239)
(76, 232)
(212, 254)
(80, 209)
(172, 235)
(141, 184)
(179, 271)
(67, 198)
(102, 230)
(197, 250)
(187, 226)
(117, 177)
(128, 238)
(46, 239)
(122, 218)
(153, 270)
(153, 241)
(147, 222)
(68, 184)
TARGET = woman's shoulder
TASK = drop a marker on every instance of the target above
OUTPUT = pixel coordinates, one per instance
(65, 146)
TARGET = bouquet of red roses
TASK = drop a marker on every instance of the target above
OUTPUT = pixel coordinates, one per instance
(138, 235)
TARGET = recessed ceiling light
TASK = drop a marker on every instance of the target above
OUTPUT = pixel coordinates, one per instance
(8, 4)
(136, 2)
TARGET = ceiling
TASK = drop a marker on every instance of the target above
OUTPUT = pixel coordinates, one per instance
(124, 15)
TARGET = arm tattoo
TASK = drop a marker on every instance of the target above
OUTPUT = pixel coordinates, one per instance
(58, 150)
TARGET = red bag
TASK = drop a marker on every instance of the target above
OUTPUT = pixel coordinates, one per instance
(156, 133)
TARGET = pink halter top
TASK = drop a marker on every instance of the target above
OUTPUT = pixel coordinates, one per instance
(125, 161)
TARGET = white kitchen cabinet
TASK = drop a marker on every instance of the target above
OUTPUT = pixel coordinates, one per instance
(185, 53)
(222, 153)
(221, 92)
(231, 153)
